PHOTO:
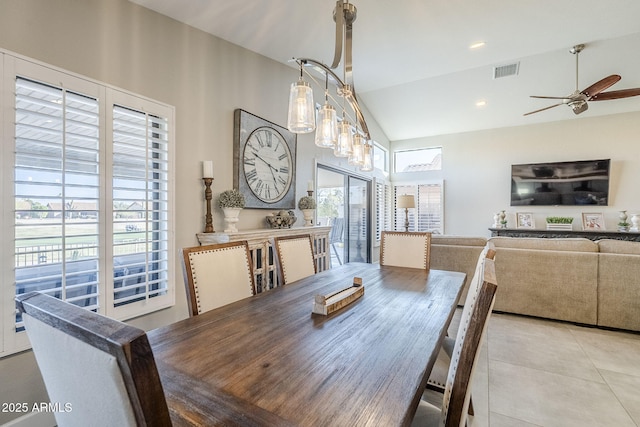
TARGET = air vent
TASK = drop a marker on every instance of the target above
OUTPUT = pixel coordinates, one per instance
(506, 70)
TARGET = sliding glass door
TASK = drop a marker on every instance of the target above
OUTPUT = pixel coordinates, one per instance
(343, 202)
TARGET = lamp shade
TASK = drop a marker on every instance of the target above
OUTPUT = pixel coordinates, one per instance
(406, 201)
(357, 152)
(367, 158)
(327, 130)
(301, 117)
(345, 140)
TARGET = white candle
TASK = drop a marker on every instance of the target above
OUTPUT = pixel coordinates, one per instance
(207, 169)
(310, 186)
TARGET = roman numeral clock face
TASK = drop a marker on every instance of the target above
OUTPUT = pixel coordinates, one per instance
(267, 164)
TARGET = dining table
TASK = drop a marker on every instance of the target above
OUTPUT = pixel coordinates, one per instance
(268, 360)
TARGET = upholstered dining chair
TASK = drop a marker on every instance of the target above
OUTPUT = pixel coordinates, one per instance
(102, 370)
(457, 393)
(484, 272)
(405, 249)
(217, 275)
(295, 257)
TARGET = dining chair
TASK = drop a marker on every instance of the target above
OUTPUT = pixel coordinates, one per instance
(457, 394)
(484, 272)
(405, 249)
(295, 257)
(217, 275)
(102, 370)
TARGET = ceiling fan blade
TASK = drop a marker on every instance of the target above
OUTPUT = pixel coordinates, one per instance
(601, 85)
(615, 94)
(542, 109)
(551, 97)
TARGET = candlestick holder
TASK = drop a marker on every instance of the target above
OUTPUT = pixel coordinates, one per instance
(208, 227)
(310, 193)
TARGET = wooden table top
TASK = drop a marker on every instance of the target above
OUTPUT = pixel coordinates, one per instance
(268, 361)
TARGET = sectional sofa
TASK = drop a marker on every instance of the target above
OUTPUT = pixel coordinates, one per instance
(575, 279)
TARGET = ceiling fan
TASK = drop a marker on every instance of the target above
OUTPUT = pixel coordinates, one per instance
(578, 99)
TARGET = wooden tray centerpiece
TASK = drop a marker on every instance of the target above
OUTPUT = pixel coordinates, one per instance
(327, 304)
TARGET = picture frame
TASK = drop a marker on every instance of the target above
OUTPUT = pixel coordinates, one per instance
(593, 221)
(525, 220)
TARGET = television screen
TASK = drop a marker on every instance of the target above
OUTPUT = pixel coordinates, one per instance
(584, 182)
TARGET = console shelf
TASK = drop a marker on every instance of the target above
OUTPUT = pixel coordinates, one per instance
(591, 235)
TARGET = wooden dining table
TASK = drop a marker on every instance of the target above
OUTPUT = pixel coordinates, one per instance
(268, 360)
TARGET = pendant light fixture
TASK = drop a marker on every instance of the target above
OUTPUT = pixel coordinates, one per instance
(301, 115)
(327, 130)
(329, 133)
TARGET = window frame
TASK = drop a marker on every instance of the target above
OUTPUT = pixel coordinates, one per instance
(415, 151)
(13, 66)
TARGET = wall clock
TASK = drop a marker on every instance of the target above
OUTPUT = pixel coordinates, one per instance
(264, 162)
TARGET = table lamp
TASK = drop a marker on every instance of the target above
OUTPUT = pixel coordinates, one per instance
(406, 201)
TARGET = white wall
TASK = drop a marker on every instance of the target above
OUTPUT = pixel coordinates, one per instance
(477, 168)
(205, 78)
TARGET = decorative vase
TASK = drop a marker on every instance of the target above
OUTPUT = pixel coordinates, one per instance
(231, 218)
(308, 217)
(635, 222)
(623, 216)
(496, 220)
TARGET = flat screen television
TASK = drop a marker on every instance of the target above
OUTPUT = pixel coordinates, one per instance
(582, 182)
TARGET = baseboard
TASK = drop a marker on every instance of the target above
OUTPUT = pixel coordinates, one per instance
(34, 419)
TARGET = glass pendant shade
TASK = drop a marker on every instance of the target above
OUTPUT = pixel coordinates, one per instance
(367, 160)
(356, 157)
(327, 130)
(345, 140)
(301, 113)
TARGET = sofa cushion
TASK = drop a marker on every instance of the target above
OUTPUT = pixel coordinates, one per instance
(619, 247)
(544, 244)
(558, 285)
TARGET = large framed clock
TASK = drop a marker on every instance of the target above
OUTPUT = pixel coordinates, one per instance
(264, 168)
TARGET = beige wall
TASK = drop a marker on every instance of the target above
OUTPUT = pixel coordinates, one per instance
(205, 78)
(477, 168)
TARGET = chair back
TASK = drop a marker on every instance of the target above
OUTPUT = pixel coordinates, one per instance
(101, 369)
(216, 275)
(485, 271)
(473, 327)
(295, 257)
(405, 249)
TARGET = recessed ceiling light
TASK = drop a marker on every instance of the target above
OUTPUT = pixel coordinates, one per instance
(481, 103)
(477, 45)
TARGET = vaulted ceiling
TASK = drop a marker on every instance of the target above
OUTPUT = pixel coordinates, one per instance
(413, 68)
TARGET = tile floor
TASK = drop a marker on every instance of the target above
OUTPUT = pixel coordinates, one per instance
(535, 372)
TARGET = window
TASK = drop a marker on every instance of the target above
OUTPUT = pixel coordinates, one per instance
(380, 157)
(90, 211)
(424, 159)
(428, 214)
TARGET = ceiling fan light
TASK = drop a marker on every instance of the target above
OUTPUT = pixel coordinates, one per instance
(301, 117)
(327, 127)
(344, 146)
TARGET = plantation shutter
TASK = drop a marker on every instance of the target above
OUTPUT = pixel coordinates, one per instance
(57, 193)
(429, 211)
(140, 206)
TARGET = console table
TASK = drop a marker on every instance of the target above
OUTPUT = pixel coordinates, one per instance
(591, 235)
(263, 253)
